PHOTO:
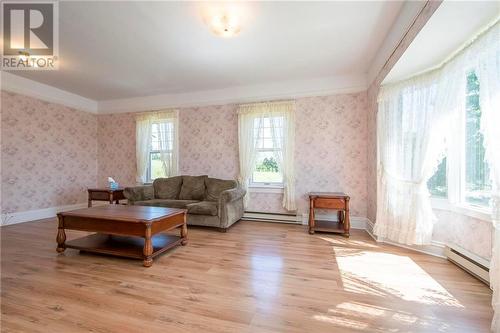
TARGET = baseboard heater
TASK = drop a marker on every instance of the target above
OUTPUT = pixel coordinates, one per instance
(475, 266)
(272, 217)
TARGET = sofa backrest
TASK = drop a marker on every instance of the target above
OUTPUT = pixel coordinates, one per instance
(191, 187)
(167, 188)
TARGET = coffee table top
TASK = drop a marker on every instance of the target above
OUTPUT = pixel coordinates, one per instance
(139, 214)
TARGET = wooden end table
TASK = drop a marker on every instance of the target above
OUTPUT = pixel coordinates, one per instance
(119, 229)
(105, 194)
(330, 200)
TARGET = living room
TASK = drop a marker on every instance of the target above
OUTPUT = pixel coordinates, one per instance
(250, 166)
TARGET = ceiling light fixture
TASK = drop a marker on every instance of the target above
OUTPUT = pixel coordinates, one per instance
(225, 25)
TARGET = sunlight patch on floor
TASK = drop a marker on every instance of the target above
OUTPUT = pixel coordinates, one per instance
(348, 242)
(341, 321)
(386, 274)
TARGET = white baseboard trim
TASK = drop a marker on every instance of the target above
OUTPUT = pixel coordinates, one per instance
(270, 217)
(44, 213)
(436, 249)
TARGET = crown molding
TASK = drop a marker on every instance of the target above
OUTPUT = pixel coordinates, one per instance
(239, 94)
(24, 86)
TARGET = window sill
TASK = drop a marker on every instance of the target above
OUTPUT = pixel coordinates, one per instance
(265, 189)
(462, 209)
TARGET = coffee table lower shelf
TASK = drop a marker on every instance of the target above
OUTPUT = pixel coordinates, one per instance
(123, 246)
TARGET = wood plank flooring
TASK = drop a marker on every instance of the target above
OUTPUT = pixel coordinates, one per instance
(257, 277)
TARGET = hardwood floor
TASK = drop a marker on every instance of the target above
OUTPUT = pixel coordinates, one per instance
(257, 277)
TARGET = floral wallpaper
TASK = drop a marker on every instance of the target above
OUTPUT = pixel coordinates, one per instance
(208, 138)
(330, 148)
(116, 149)
(371, 149)
(52, 153)
(49, 154)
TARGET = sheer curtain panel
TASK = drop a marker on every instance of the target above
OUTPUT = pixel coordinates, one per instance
(166, 142)
(281, 117)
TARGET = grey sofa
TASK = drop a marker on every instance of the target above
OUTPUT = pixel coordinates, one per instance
(209, 201)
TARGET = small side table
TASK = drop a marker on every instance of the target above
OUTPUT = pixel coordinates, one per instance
(105, 194)
(330, 200)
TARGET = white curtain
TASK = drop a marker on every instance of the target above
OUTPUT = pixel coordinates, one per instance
(485, 55)
(281, 117)
(167, 145)
(397, 184)
(411, 137)
(142, 147)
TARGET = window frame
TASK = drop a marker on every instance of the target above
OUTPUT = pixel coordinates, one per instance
(456, 175)
(151, 151)
(266, 185)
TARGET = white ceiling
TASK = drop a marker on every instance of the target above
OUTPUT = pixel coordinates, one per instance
(116, 50)
(453, 24)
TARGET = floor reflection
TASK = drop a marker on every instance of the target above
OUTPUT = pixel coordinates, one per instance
(266, 278)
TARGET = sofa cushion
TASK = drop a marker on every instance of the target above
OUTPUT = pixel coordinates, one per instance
(193, 188)
(216, 186)
(167, 188)
(165, 203)
(203, 208)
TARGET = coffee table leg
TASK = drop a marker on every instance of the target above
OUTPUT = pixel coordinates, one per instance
(148, 247)
(184, 234)
(61, 236)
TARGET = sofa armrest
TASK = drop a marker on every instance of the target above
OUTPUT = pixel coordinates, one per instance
(231, 206)
(139, 193)
(231, 195)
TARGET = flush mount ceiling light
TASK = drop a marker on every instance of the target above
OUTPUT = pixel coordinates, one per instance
(225, 25)
(225, 19)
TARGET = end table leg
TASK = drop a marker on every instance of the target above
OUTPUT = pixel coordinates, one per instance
(311, 216)
(148, 247)
(184, 232)
(347, 223)
(61, 236)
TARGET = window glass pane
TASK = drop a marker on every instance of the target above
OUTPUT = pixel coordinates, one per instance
(477, 173)
(438, 184)
(266, 169)
(162, 136)
(264, 134)
(156, 167)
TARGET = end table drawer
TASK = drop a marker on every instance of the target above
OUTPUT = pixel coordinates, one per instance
(99, 195)
(327, 203)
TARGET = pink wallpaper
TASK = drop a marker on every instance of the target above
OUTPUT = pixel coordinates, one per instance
(371, 149)
(49, 154)
(330, 148)
(116, 148)
(52, 153)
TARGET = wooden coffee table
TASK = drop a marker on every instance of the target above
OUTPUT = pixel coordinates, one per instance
(126, 231)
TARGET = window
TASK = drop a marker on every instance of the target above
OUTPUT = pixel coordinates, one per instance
(162, 138)
(267, 171)
(471, 170)
(476, 185)
(156, 145)
(438, 183)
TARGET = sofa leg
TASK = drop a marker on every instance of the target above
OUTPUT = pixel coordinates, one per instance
(223, 229)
